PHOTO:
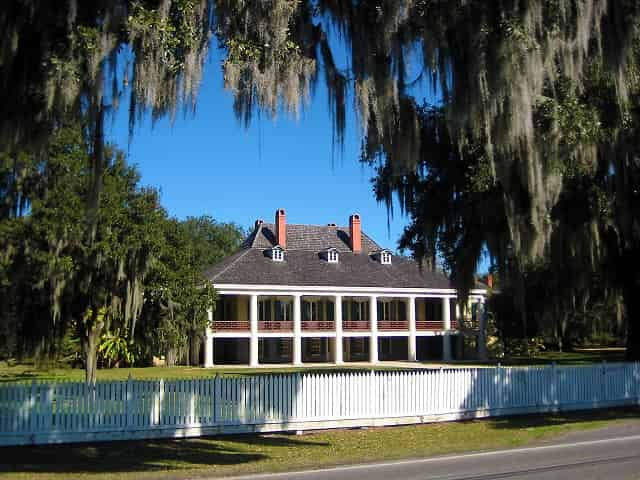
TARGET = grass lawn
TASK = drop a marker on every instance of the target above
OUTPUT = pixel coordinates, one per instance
(219, 456)
(27, 372)
(579, 356)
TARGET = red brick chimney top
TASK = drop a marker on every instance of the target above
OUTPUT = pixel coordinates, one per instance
(355, 233)
(281, 228)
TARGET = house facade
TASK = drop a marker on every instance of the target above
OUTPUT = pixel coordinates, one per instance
(302, 294)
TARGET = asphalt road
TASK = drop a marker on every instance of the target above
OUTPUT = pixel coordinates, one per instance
(612, 453)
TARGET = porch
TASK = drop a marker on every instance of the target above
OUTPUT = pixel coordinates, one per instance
(298, 328)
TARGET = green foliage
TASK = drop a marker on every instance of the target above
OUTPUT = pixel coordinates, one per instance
(177, 297)
(115, 349)
(539, 111)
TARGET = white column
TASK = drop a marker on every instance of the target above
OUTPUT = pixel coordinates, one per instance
(337, 316)
(446, 320)
(253, 322)
(297, 330)
(373, 322)
(208, 341)
(412, 328)
(482, 334)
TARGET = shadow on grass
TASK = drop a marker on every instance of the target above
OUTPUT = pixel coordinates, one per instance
(143, 456)
(565, 418)
(29, 376)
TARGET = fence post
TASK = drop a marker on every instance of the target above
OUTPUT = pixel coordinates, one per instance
(48, 407)
(32, 406)
(637, 380)
(554, 385)
(500, 386)
(374, 401)
(128, 405)
(214, 398)
(605, 390)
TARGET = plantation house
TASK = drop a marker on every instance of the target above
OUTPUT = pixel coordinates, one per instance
(308, 294)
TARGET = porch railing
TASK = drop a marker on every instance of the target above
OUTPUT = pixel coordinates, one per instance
(429, 325)
(230, 325)
(275, 326)
(434, 325)
(393, 325)
(355, 325)
(318, 325)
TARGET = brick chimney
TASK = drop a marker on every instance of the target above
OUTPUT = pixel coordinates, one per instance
(355, 234)
(281, 228)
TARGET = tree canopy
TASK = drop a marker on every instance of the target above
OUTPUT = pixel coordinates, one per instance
(537, 102)
(59, 276)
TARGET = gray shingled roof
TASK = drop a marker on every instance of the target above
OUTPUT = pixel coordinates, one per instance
(303, 264)
(307, 237)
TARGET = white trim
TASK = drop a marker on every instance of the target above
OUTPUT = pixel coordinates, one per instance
(232, 334)
(275, 335)
(240, 289)
(393, 333)
(333, 255)
(356, 333)
(318, 333)
(434, 333)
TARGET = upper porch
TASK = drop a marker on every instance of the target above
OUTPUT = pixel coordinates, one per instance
(324, 313)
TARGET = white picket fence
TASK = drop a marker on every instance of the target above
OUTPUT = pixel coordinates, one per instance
(72, 412)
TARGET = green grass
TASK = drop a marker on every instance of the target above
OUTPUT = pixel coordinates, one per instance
(28, 372)
(579, 356)
(219, 456)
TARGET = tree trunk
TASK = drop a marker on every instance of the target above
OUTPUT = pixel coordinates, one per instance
(170, 358)
(632, 307)
(195, 342)
(90, 350)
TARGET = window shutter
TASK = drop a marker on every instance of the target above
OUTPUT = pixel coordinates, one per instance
(330, 311)
(402, 310)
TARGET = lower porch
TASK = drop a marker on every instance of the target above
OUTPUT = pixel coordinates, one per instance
(317, 350)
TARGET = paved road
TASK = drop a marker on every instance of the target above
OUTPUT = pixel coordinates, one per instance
(612, 453)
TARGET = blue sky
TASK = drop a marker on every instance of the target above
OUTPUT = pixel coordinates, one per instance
(210, 164)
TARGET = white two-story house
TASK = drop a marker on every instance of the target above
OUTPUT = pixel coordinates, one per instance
(303, 294)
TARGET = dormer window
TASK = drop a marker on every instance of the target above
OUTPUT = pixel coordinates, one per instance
(332, 255)
(277, 254)
(385, 257)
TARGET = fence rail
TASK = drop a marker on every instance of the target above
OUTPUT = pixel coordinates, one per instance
(67, 412)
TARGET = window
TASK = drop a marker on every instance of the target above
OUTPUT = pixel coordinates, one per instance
(317, 310)
(385, 310)
(284, 348)
(311, 310)
(223, 310)
(355, 310)
(316, 347)
(385, 257)
(392, 310)
(283, 311)
(264, 310)
(274, 309)
(277, 254)
(332, 256)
